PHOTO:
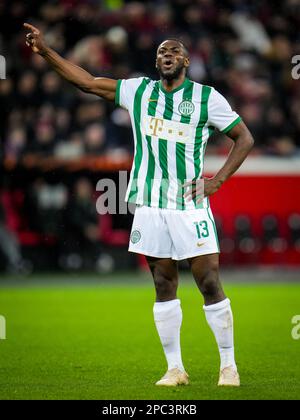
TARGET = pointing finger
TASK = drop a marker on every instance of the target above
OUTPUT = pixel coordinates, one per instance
(32, 28)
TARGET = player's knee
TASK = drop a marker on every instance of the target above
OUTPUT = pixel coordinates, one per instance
(165, 287)
(209, 281)
(209, 285)
(165, 283)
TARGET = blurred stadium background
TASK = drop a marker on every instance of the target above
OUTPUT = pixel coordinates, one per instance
(57, 142)
(82, 315)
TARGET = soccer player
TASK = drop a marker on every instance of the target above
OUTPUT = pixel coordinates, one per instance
(172, 119)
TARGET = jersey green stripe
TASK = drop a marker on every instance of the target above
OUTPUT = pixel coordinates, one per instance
(150, 173)
(151, 161)
(180, 150)
(181, 174)
(199, 130)
(199, 133)
(153, 100)
(138, 148)
(215, 229)
(163, 155)
(117, 95)
(211, 129)
(163, 161)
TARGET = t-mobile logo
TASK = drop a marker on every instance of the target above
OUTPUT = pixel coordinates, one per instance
(2, 67)
(2, 327)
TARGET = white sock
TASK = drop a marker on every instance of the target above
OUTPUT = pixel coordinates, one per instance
(168, 319)
(220, 319)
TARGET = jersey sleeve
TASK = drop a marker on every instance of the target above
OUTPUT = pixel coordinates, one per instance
(220, 114)
(125, 91)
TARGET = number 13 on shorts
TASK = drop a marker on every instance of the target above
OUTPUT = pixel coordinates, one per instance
(202, 229)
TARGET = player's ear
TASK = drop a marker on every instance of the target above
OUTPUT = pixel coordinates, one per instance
(186, 62)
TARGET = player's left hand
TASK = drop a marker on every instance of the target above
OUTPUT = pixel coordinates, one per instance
(200, 188)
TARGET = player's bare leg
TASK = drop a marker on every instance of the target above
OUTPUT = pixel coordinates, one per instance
(168, 318)
(165, 277)
(205, 269)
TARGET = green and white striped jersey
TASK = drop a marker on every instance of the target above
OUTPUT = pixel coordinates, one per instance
(171, 130)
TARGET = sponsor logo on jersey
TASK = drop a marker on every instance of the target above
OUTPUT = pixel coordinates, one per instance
(135, 236)
(186, 108)
(167, 129)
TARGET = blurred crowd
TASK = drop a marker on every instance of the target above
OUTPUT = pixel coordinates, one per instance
(243, 48)
(51, 214)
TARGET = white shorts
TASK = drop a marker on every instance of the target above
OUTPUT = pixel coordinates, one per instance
(176, 234)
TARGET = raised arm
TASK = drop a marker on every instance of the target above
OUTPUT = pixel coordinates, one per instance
(101, 86)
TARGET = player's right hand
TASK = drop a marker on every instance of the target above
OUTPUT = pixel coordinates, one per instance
(34, 39)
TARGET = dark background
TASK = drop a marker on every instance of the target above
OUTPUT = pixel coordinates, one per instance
(57, 142)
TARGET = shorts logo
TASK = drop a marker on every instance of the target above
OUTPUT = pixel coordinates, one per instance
(200, 244)
(135, 236)
(186, 108)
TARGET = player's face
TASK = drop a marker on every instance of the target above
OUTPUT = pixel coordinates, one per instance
(171, 59)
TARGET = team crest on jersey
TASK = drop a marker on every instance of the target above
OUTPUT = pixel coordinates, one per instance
(135, 236)
(186, 108)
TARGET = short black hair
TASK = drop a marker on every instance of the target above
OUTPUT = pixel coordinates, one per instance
(185, 49)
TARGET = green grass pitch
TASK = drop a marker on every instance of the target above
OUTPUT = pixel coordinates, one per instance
(98, 341)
